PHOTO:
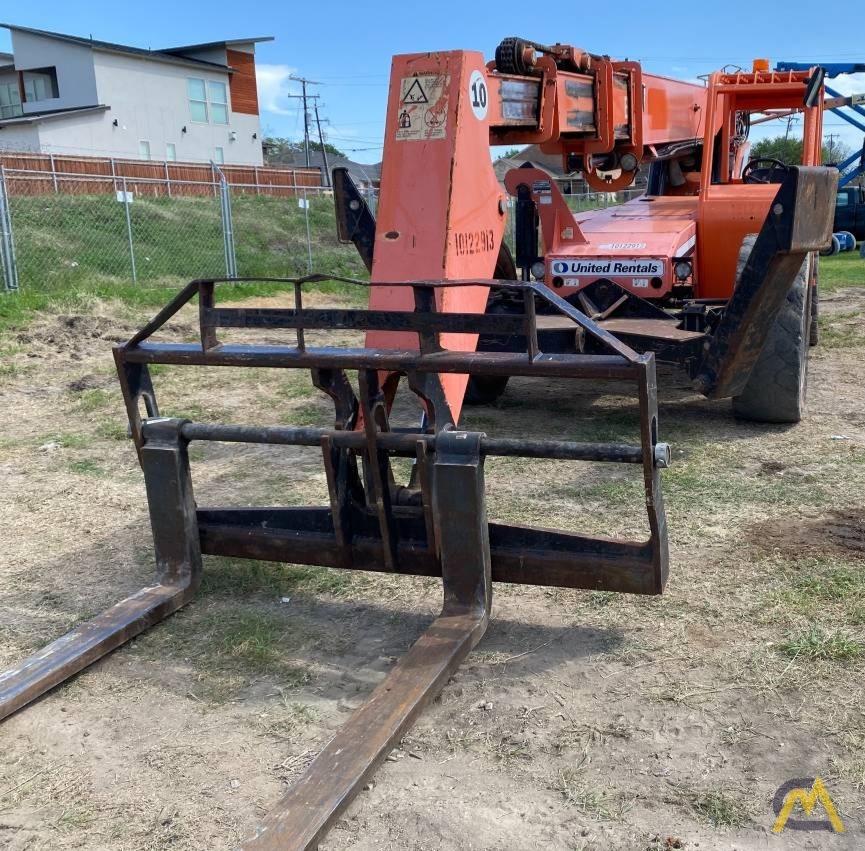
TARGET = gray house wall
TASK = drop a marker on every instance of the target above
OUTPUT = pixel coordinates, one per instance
(76, 80)
(150, 102)
(20, 137)
(146, 96)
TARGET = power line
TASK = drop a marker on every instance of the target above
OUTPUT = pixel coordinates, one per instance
(321, 142)
(304, 83)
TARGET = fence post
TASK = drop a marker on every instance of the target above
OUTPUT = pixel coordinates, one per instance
(129, 232)
(53, 173)
(7, 241)
(227, 224)
(308, 236)
(167, 180)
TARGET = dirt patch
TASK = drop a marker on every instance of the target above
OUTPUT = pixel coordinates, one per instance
(588, 721)
(841, 532)
(61, 331)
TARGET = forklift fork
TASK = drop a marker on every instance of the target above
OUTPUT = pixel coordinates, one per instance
(434, 526)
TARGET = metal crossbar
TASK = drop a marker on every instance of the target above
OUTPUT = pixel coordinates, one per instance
(433, 525)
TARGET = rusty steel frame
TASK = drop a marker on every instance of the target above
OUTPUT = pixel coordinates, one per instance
(435, 526)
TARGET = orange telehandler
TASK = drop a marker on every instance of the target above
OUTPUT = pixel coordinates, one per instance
(658, 272)
(606, 295)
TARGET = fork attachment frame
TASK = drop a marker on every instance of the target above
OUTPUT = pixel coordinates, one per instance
(434, 525)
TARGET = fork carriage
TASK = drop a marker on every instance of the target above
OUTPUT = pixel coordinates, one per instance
(433, 525)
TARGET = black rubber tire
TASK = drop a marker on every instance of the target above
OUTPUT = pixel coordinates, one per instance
(814, 303)
(775, 392)
(486, 389)
(833, 248)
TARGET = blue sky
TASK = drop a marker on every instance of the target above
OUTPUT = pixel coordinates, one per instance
(347, 45)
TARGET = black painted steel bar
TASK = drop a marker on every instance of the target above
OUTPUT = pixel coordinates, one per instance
(598, 367)
(178, 562)
(406, 444)
(342, 319)
(301, 819)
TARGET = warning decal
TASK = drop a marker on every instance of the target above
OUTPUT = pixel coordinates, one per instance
(423, 107)
(415, 93)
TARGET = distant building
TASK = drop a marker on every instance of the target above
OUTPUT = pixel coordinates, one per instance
(62, 94)
(550, 163)
(364, 175)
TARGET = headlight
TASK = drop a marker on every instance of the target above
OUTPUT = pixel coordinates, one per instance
(538, 269)
(683, 269)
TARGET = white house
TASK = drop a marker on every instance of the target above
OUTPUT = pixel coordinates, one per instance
(62, 94)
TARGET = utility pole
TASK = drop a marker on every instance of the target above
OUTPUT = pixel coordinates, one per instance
(304, 83)
(321, 141)
(830, 148)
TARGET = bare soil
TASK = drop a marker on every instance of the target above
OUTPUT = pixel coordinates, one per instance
(581, 721)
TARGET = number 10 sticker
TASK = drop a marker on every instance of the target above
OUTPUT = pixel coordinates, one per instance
(478, 95)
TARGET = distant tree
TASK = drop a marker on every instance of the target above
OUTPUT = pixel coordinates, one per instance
(279, 151)
(511, 152)
(790, 150)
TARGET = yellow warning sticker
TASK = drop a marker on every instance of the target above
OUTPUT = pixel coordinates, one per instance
(423, 107)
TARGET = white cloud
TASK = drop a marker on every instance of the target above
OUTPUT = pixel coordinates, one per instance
(274, 86)
(848, 84)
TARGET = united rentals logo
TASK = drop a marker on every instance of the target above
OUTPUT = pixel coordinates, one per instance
(798, 791)
(614, 266)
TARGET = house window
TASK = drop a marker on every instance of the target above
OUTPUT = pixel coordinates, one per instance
(197, 99)
(171, 152)
(208, 101)
(219, 156)
(218, 93)
(10, 100)
(40, 84)
(144, 149)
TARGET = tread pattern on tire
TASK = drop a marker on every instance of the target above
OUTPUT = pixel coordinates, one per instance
(486, 389)
(775, 392)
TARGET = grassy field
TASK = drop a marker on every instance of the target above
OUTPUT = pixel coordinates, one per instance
(71, 250)
(583, 721)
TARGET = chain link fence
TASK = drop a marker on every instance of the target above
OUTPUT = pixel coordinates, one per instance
(140, 235)
(60, 239)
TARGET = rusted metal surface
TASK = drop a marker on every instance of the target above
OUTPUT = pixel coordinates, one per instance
(433, 525)
(303, 816)
(165, 465)
(658, 329)
(405, 445)
(88, 642)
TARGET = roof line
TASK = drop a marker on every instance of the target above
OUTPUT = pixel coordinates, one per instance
(226, 42)
(111, 47)
(36, 117)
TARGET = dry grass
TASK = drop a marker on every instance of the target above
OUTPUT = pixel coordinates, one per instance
(592, 719)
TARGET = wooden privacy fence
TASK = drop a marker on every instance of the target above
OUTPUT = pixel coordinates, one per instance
(46, 174)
